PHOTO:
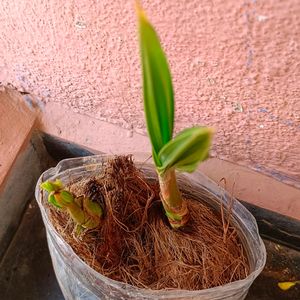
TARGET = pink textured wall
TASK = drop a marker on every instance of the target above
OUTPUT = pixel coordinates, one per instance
(235, 66)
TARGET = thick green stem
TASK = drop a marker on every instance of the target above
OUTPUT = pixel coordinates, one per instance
(175, 207)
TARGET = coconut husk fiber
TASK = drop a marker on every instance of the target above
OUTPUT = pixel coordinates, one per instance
(135, 244)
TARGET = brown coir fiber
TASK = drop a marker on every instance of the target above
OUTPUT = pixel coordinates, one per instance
(135, 244)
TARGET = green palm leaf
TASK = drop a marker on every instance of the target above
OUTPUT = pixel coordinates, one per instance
(157, 87)
(186, 150)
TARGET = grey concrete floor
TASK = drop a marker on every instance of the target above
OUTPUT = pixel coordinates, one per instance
(26, 271)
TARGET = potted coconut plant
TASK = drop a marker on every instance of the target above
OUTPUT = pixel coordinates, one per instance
(123, 228)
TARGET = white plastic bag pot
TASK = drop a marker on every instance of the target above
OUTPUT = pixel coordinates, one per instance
(79, 281)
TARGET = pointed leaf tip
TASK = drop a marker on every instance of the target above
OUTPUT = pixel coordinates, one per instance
(139, 10)
(137, 6)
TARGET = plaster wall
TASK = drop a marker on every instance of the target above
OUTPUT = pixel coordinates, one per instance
(235, 66)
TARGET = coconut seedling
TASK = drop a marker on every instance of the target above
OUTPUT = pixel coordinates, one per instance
(85, 212)
(184, 151)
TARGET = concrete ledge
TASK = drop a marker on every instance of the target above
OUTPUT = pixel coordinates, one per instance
(253, 187)
(19, 188)
(16, 124)
(58, 120)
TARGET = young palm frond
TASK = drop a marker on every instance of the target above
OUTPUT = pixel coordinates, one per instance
(188, 148)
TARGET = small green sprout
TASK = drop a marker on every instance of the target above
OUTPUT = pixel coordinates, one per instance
(184, 151)
(84, 212)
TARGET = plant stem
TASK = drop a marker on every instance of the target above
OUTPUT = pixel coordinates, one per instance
(175, 207)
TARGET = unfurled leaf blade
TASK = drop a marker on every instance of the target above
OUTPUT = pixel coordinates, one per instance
(186, 150)
(157, 86)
